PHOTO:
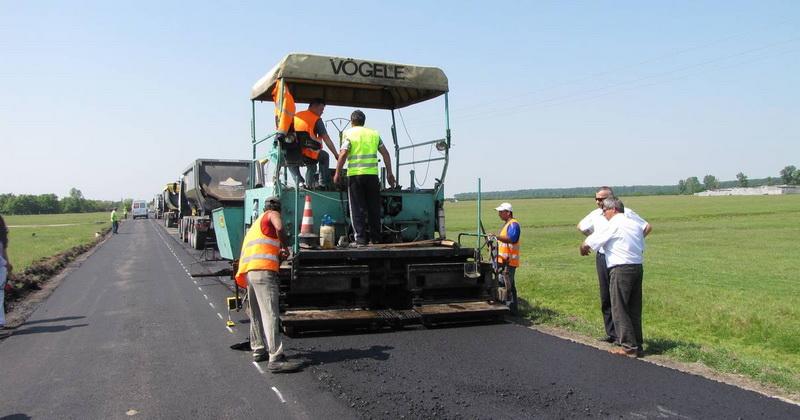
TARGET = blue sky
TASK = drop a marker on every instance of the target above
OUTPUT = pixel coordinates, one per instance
(116, 98)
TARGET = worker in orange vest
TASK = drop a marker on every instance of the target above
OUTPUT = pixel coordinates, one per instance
(259, 264)
(309, 122)
(508, 245)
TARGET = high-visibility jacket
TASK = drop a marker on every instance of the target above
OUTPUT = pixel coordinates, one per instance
(284, 109)
(259, 252)
(362, 157)
(114, 216)
(306, 121)
(508, 252)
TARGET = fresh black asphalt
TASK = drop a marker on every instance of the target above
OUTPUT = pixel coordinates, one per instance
(130, 334)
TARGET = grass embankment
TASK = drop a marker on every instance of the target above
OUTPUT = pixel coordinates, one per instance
(720, 283)
(33, 237)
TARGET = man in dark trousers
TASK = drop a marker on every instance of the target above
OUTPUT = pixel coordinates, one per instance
(593, 222)
(360, 147)
(623, 241)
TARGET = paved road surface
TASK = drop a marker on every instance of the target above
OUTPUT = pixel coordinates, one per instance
(129, 334)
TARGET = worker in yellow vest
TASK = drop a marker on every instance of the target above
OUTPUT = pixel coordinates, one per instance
(310, 123)
(259, 263)
(508, 253)
(360, 149)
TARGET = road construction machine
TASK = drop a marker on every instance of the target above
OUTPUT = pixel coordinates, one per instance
(207, 184)
(171, 204)
(416, 274)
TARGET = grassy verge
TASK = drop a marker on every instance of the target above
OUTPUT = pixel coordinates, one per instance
(34, 237)
(720, 277)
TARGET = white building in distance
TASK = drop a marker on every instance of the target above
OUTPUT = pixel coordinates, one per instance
(762, 190)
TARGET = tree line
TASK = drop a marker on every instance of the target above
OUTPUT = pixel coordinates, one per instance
(75, 202)
(789, 175)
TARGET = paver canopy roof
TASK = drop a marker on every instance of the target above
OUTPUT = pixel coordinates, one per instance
(352, 82)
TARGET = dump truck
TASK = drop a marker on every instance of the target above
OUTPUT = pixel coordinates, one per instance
(158, 206)
(416, 275)
(207, 184)
(171, 201)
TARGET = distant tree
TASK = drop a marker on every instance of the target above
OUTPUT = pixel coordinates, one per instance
(742, 179)
(681, 187)
(770, 180)
(127, 204)
(693, 185)
(710, 182)
(48, 204)
(4, 200)
(74, 203)
(787, 174)
(23, 204)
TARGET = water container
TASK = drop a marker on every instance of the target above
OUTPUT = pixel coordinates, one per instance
(327, 235)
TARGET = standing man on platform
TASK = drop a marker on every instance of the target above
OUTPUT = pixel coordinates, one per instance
(360, 149)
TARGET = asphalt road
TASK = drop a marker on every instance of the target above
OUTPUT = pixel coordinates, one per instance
(130, 334)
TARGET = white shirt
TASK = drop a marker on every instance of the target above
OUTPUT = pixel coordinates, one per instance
(623, 240)
(595, 221)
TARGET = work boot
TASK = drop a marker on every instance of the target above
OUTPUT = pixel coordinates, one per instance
(281, 365)
(260, 357)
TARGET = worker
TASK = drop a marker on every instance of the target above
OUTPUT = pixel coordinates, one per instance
(309, 122)
(593, 222)
(125, 213)
(360, 147)
(5, 270)
(262, 249)
(114, 221)
(508, 253)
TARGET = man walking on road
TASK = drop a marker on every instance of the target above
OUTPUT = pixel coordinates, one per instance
(623, 241)
(593, 222)
(114, 221)
(508, 253)
(360, 149)
(258, 272)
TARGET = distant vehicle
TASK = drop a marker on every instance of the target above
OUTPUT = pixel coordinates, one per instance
(140, 209)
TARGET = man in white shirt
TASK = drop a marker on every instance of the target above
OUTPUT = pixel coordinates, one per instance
(623, 242)
(593, 222)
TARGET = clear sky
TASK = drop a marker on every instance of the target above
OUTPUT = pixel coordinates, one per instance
(116, 98)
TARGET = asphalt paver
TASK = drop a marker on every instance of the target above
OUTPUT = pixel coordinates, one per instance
(130, 333)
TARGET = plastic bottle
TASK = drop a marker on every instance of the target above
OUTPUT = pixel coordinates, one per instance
(327, 235)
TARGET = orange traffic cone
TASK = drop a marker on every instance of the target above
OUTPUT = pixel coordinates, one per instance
(307, 236)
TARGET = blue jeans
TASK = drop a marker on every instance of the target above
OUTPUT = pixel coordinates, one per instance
(3, 277)
(114, 226)
(323, 161)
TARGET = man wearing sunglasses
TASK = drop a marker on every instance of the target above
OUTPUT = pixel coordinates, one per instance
(593, 222)
(623, 241)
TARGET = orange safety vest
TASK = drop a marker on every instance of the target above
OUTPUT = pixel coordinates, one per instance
(306, 121)
(284, 116)
(259, 252)
(505, 251)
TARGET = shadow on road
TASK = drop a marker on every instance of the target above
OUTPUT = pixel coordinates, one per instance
(43, 321)
(46, 329)
(18, 416)
(335, 356)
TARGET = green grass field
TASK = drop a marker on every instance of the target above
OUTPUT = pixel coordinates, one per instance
(30, 238)
(720, 284)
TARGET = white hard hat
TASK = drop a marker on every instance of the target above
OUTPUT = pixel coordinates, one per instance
(504, 206)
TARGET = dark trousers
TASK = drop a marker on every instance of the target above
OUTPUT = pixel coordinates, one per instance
(605, 297)
(323, 162)
(626, 304)
(507, 275)
(364, 195)
(114, 227)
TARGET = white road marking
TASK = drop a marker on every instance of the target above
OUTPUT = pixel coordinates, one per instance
(205, 297)
(212, 305)
(220, 316)
(230, 329)
(199, 288)
(279, 394)
(258, 367)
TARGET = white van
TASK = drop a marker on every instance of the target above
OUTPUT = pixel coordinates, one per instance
(139, 209)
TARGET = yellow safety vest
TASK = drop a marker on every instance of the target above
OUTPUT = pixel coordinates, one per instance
(362, 158)
(259, 252)
(505, 251)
